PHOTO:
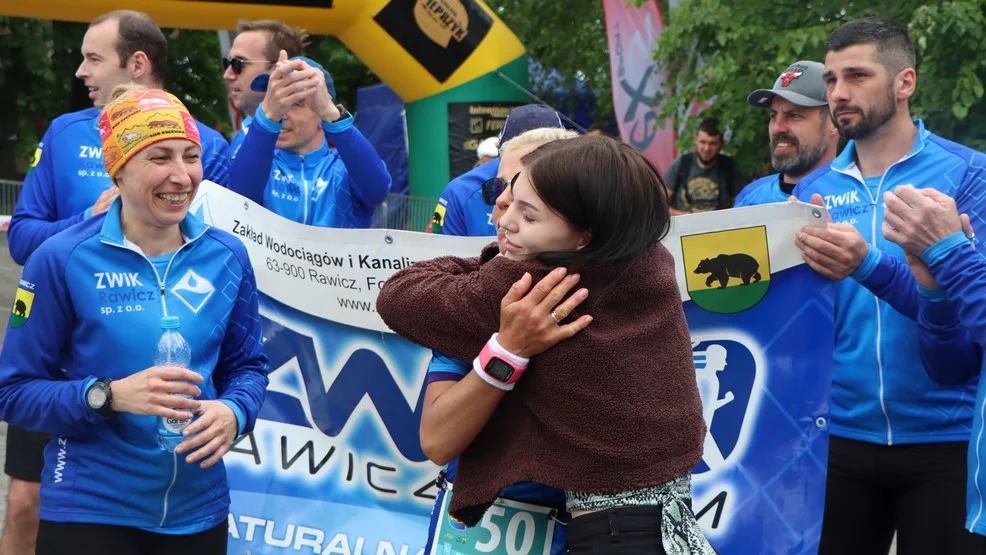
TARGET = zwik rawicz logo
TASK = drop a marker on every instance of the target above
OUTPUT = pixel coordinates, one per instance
(727, 271)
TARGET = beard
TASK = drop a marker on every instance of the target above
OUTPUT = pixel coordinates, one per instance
(799, 162)
(708, 162)
(869, 120)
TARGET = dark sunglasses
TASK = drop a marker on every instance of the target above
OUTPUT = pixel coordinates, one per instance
(493, 188)
(237, 64)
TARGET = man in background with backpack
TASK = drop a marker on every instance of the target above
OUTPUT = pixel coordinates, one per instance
(703, 180)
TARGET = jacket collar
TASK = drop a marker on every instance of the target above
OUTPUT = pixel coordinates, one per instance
(310, 160)
(112, 229)
(846, 161)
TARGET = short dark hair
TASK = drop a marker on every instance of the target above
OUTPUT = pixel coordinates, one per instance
(138, 33)
(280, 36)
(894, 49)
(710, 126)
(604, 186)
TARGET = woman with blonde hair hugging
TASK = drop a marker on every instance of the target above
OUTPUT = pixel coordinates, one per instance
(611, 416)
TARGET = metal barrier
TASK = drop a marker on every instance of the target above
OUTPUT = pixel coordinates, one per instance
(405, 212)
(397, 212)
(9, 190)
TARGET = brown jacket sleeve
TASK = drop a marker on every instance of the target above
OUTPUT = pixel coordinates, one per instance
(446, 304)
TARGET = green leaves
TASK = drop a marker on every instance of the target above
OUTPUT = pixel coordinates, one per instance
(195, 76)
(38, 60)
(718, 52)
(348, 72)
(566, 36)
(28, 53)
(949, 38)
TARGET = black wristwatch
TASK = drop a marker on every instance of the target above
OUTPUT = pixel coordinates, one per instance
(343, 114)
(499, 370)
(99, 398)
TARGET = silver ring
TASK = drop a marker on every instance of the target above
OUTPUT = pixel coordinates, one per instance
(555, 317)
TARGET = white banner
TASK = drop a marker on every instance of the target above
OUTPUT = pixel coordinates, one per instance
(335, 463)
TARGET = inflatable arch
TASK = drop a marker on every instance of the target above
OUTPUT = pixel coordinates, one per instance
(439, 56)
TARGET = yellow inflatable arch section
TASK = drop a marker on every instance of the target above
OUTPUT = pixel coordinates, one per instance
(446, 59)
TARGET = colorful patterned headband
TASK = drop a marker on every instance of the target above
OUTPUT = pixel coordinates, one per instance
(140, 120)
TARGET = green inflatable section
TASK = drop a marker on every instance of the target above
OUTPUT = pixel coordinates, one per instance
(428, 123)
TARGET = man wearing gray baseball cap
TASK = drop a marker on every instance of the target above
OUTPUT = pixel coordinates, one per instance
(802, 135)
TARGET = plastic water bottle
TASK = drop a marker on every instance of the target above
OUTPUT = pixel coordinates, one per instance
(172, 350)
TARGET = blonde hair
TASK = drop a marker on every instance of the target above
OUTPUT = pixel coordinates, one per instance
(537, 137)
(121, 93)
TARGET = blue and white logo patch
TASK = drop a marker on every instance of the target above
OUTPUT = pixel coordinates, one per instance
(193, 290)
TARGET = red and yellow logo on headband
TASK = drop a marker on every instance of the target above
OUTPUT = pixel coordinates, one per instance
(139, 121)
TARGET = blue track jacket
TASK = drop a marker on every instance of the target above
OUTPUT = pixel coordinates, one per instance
(765, 190)
(461, 209)
(89, 305)
(234, 145)
(881, 392)
(948, 351)
(67, 176)
(950, 319)
(338, 187)
(961, 274)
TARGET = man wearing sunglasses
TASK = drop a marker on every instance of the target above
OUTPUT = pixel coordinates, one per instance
(286, 164)
(464, 208)
(253, 54)
(67, 183)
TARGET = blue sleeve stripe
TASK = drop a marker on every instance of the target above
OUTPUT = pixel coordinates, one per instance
(261, 119)
(935, 253)
(869, 264)
(239, 413)
(338, 126)
(932, 295)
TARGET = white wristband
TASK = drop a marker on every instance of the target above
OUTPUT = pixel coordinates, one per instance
(498, 349)
(490, 379)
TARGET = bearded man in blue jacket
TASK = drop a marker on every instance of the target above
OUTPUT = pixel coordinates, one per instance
(897, 455)
(285, 162)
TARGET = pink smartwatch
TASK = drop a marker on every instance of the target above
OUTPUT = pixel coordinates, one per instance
(500, 365)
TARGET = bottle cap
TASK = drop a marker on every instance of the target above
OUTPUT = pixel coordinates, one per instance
(170, 323)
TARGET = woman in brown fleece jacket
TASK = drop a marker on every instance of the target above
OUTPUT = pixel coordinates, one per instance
(612, 416)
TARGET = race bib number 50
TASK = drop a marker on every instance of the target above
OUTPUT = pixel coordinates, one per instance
(508, 528)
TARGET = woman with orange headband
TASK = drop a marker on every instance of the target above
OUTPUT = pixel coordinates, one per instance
(78, 357)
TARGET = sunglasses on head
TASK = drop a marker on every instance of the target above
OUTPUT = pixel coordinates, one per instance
(237, 64)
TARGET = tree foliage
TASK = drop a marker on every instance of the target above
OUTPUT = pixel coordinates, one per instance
(32, 58)
(195, 72)
(38, 59)
(568, 37)
(717, 52)
(349, 73)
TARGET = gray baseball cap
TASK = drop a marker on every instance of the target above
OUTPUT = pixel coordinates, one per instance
(801, 83)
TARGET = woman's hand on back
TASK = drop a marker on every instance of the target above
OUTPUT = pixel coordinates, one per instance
(157, 391)
(531, 319)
